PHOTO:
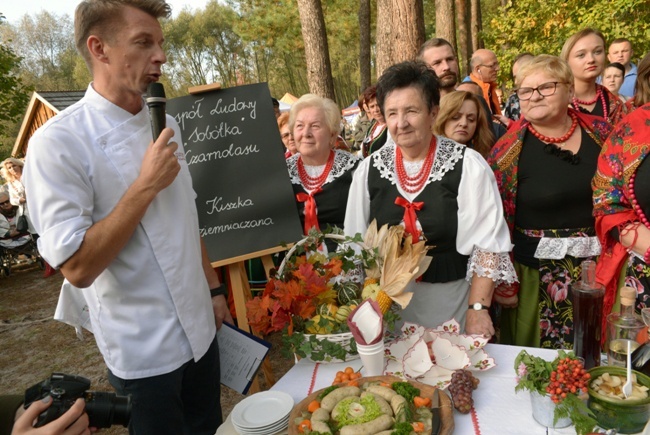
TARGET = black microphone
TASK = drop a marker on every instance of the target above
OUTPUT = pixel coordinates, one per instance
(156, 102)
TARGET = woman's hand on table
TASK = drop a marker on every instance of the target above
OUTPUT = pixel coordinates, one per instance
(479, 322)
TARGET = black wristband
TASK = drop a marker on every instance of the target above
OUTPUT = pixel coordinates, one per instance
(221, 290)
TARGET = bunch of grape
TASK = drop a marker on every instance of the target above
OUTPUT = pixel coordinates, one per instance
(462, 384)
(570, 377)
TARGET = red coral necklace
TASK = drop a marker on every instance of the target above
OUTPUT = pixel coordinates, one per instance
(561, 139)
(416, 183)
(313, 183)
(599, 94)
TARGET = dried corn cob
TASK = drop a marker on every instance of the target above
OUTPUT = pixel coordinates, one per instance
(384, 301)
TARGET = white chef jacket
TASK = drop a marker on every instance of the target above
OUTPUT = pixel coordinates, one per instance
(150, 309)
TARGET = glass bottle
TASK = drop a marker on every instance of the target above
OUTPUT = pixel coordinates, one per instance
(623, 327)
(587, 314)
(641, 356)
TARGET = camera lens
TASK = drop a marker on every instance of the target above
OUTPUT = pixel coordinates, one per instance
(107, 409)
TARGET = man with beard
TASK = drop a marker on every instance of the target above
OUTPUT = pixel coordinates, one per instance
(439, 56)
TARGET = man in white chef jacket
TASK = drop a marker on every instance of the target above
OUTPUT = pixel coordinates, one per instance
(116, 214)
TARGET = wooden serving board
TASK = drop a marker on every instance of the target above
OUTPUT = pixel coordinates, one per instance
(446, 407)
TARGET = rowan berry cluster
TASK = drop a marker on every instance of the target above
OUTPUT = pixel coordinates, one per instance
(570, 377)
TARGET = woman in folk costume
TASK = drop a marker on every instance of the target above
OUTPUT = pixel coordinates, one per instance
(377, 133)
(320, 175)
(440, 191)
(622, 207)
(585, 53)
(544, 166)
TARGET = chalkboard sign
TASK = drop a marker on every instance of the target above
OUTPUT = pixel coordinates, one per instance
(235, 156)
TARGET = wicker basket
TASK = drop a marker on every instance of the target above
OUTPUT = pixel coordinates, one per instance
(357, 275)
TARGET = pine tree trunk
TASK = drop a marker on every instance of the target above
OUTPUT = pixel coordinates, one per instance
(384, 32)
(400, 24)
(463, 25)
(319, 70)
(445, 21)
(364, 44)
(476, 25)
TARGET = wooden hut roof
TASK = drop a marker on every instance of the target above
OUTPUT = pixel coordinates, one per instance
(43, 106)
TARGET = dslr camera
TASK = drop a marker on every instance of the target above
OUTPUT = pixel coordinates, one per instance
(104, 409)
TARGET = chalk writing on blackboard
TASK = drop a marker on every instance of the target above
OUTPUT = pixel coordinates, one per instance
(235, 156)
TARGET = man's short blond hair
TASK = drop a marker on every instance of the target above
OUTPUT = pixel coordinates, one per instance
(102, 17)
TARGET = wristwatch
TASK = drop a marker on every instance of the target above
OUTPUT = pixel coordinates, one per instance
(478, 306)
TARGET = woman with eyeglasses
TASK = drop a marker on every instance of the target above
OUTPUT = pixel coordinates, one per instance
(544, 166)
(585, 54)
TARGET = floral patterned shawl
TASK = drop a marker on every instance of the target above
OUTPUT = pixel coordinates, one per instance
(616, 108)
(619, 159)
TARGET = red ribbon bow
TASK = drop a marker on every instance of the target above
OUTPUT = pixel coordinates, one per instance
(410, 217)
(311, 216)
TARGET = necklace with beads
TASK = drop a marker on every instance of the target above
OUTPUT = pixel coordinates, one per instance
(599, 95)
(416, 183)
(313, 183)
(635, 203)
(556, 140)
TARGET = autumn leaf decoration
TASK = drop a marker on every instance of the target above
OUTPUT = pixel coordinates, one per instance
(305, 284)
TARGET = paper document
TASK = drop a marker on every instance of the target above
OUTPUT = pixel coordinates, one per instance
(240, 356)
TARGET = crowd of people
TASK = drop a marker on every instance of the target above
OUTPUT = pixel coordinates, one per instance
(510, 196)
(510, 260)
(509, 200)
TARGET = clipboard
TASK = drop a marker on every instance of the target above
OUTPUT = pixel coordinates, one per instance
(240, 357)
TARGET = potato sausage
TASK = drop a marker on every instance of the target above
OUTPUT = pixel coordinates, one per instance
(320, 426)
(383, 392)
(320, 415)
(329, 402)
(383, 404)
(397, 402)
(379, 424)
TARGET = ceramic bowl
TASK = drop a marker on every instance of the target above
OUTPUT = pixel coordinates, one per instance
(626, 416)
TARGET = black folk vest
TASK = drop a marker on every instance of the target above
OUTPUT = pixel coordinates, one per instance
(438, 218)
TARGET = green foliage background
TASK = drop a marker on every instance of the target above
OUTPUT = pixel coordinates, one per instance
(541, 27)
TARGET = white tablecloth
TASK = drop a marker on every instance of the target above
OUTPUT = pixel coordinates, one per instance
(498, 410)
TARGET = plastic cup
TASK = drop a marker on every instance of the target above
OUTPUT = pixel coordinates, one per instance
(372, 357)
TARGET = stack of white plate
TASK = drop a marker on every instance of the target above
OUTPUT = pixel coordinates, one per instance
(264, 413)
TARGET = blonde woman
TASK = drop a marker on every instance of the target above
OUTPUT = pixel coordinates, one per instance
(12, 171)
(544, 166)
(460, 118)
(320, 175)
(585, 53)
